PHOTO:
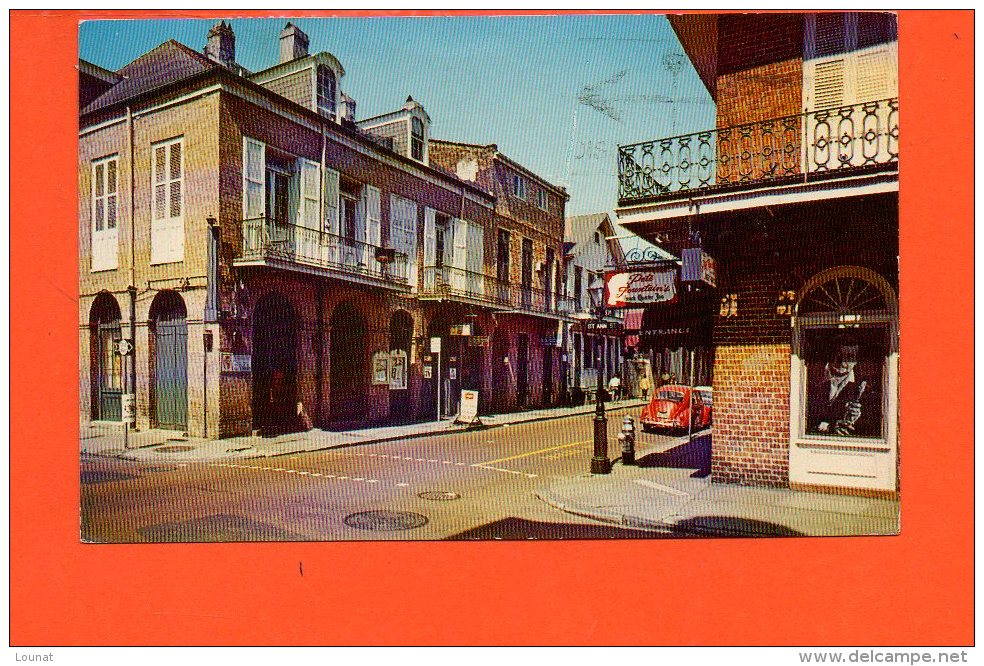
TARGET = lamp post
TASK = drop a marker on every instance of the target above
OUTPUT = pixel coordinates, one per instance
(600, 464)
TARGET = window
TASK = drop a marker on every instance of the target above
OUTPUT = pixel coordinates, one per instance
(442, 247)
(518, 186)
(167, 221)
(278, 192)
(541, 199)
(326, 92)
(578, 287)
(347, 220)
(105, 208)
(417, 139)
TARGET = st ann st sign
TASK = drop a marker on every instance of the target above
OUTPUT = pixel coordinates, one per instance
(627, 289)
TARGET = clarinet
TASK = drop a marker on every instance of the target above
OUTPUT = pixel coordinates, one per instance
(846, 426)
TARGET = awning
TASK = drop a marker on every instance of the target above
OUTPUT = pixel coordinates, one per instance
(633, 320)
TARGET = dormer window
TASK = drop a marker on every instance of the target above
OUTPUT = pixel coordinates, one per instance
(417, 139)
(518, 186)
(327, 92)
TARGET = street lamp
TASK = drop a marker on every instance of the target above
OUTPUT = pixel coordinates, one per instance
(600, 464)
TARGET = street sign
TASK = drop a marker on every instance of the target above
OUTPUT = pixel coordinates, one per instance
(124, 347)
(435, 346)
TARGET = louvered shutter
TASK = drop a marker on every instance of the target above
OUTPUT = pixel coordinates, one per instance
(459, 258)
(104, 250)
(475, 262)
(430, 249)
(306, 232)
(331, 247)
(167, 216)
(374, 231)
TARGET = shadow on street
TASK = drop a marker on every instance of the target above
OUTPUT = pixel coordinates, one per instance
(728, 526)
(520, 528)
(695, 455)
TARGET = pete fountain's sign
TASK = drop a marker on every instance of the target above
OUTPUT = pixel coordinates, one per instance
(625, 289)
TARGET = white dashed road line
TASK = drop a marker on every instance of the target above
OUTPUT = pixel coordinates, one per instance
(297, 472)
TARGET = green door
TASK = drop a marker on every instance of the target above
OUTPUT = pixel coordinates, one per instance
(171, 376)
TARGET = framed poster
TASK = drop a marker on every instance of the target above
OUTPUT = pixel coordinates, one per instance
(398, 370)
(380, 368)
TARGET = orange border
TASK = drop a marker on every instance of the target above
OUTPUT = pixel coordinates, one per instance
(913, 589)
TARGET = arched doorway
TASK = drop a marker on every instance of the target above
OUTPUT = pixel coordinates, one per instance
(106, 364)
(274, 365)
(349, 366)
(844, 382)
(169, 330)
(401, 334)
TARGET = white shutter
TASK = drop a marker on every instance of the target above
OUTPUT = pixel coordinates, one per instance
(254, 179)
(459, 259)
(373, 229)
(104, 252)
(475, 262)
(430, 249)
(167, 218)
(331, 246)
(403, 233)
(306, 231)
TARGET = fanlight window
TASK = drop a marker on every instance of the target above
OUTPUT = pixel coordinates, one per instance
(843, 295)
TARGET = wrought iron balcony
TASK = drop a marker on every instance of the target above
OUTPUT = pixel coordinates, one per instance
(266, 240)
(808, 147)
(449, 282)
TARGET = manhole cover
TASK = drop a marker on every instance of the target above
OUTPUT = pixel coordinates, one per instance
(439, 495)
(385, 521)
(173, 449)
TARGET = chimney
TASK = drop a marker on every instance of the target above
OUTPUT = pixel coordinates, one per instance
(293, 43)
(221, 45)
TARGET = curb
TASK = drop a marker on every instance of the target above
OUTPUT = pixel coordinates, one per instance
(621, 519)
(344, 445)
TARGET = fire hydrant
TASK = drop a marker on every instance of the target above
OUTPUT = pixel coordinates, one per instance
(627, 438)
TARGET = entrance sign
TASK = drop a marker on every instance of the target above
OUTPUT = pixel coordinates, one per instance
(624, 289)
(698, 266)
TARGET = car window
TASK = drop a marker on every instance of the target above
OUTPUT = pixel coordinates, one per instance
(672, 396)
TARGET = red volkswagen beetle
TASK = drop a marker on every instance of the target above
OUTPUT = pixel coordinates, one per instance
(670, 409)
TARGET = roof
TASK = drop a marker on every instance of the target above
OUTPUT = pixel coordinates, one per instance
(581, 228)
(163, 66)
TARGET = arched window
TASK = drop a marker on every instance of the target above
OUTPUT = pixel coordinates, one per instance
(327, 92)
(417, 139)
(844, 381)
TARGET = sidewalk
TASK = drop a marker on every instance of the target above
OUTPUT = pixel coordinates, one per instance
(106, 439)
(673, 500)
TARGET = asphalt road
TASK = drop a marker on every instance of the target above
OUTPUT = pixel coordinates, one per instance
(475, 485)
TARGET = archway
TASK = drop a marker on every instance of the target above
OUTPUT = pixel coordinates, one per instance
(169, 332)
(106, 364)
(401, 334)
(349, 371)
(844, 382)
(274, 365)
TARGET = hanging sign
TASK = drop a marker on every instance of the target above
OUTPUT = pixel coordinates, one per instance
(478, 341)
(697, 266)
(435, 346)
(624, 289)
(463, 329)
(128, 403)
(232, 363)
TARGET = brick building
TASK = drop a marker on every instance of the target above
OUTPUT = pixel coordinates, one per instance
(267, 260)
(509, 283)
(794, 194)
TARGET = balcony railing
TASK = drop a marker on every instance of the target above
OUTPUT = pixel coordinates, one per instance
(457, 283)
(838, 142)
(266, 239)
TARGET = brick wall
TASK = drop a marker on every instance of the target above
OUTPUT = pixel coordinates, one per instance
(751, 415)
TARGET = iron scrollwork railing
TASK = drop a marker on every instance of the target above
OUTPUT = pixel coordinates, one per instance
(452, 282)
(806, 147)
(264, 239)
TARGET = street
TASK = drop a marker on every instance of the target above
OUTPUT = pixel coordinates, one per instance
(470, 485)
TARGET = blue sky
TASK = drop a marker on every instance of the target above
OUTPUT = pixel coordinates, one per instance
(555, 93)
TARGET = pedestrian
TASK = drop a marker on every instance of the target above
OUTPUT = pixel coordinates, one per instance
(644, 387)
(614, 387)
